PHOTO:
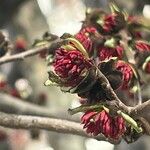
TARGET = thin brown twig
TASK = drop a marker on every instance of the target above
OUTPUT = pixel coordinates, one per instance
(116, 102)
(31, 52)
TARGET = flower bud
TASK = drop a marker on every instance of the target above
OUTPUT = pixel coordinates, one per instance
(108, 52)
(142, 46)
(71, 66)
(20, 45)
(84, 36)
(101, 122)
(114, 22)
(127, 73)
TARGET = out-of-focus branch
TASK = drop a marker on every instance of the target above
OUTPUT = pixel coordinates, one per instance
(51, 46)
(9, 104)
(51, 124)
(15, 105)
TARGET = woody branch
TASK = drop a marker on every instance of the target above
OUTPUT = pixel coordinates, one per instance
(50, 124)
(31, 52)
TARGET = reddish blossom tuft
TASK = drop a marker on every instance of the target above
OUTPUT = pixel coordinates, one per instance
(70, 66)
(84, 37)
(109, 22)
(142, 46)
(101, 122)
(113, 23)
(20, 45)
(127, 73)
(107, 52)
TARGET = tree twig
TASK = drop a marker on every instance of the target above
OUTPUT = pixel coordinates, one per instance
(50, 124)
(33, 51)
(115, 102)
(13, 105)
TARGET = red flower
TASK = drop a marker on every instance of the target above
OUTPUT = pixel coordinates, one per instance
(113, 23)
(20, 45)
(109, 22)
(84, 37)
(127, 73)
(107, 52)
(142, 46)
(88, 30)
(101, 122)
(70, 66)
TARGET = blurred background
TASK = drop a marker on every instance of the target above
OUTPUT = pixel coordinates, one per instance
(26, 20)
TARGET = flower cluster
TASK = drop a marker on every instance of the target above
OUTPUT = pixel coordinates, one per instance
(70, 66)
(127, 73)
(101, 122)
(98, 47)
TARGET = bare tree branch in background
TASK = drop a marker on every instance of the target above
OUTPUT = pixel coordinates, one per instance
(31, 52)
(50, 124)
(9, 104)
